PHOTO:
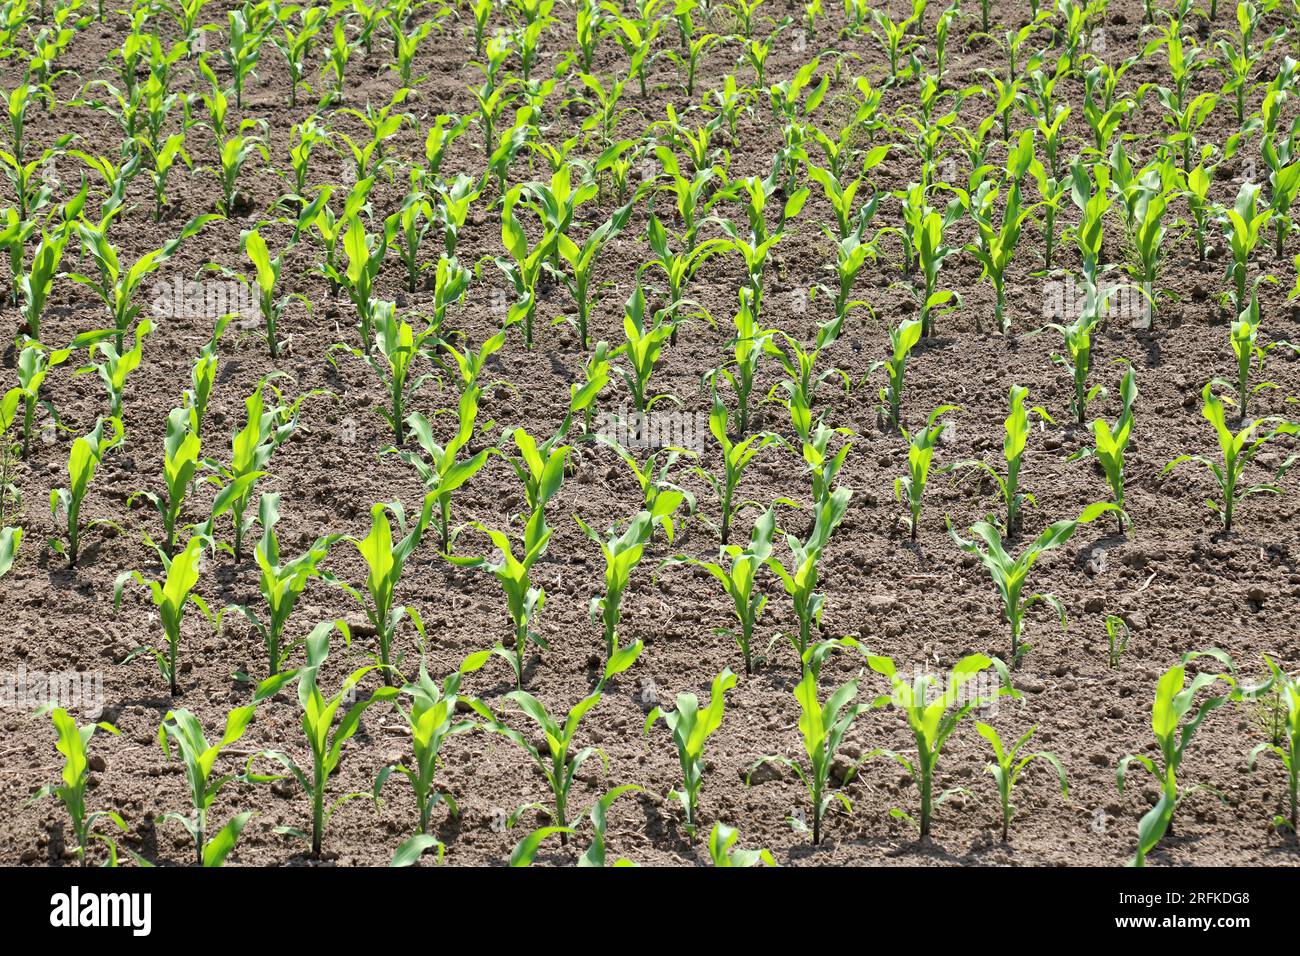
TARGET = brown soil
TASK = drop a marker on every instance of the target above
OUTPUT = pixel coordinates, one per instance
(1180, 583)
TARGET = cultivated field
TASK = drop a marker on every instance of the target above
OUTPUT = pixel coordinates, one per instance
(479, 432)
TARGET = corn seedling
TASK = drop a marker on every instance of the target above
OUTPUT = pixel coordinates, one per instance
(385, 560)
(524, 266)
(199, 758)
(10, 540)
(902, 340)
(431, 717)
(582, 265)
(920, 454)
(1009, 574)
(170, 596)
(558, 762)
(622, 553)
(281, 583)
(995, 249)
(1117, 635)
(1243, 226)
(86, 454)
(799, 578)
(318, 719)
(524, 599)
(34, 284)
(822, 727)
(643, 347)
(1008, 764)
(724, 852)
(1111, 443)
(1013, 450)
(264, 431)
(1286, 743)
(444, 470)
(691, 728)
(1174, 723)
(748, 348)
(113, 368)
(1238, 449)
(34, 364)
(117, 284)
(934, 710)
(267, 276)
(738, 580)
(73, 745)
(181, 448)
(1244, 337)
(736, 457)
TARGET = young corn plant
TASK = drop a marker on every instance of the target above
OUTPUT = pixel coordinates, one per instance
(738, 580)
(582, 266)
(34, 364)
(1077, 339)
(524, 599)
(86, 454)
(1244, 337)
(724, 852)
(318, 720)
(1013, 450)
(799, 578)
(1148, 239)
(1175, 723)
(170, 596)
(1238, 449)
(10, 540)
(181, 448)
(524, 266)
(1111, 444)
(1008, 764)
(902, 340)
(445, 470)
(748, 348)
(934, 710)
(736, 457)
(1244, 225)
(203, 376)
(558, 762)
(431, 717)
(920, 455)
(538, 466)
(622, 553)
(1009, 574)
(643, 347)
(264, 431)
(996, 248)
(118, 285)
(198, 757)
(281, 583)
(822, 727)
(34, 284)
(691, 728)
(113, 368)
(1117, 636)
(1286, 743)
(394, 347)
(267, 277)
(365, 253)
(73, 744)
(385, 560)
